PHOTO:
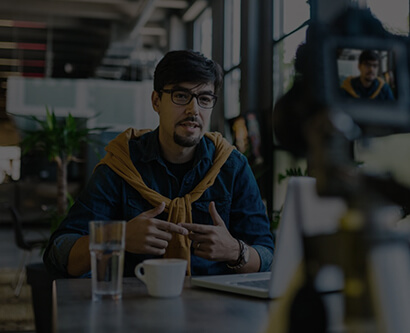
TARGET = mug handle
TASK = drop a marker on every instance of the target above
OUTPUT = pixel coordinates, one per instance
(138, 271)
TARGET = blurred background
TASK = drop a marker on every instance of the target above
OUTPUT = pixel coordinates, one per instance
(95, 60)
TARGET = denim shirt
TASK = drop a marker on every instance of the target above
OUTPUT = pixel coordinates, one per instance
(108, 197)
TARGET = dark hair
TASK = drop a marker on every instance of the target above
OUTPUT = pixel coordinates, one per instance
(301, 58)
(367, 55)
(187, 66)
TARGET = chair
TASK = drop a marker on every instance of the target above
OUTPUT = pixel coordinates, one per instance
(27, 245)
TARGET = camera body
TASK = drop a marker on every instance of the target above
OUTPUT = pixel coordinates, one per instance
(333, 52)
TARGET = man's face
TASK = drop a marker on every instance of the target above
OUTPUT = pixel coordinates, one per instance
(368, 70)
(183, 125)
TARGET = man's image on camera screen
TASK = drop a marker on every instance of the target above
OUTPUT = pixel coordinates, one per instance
(368, 84)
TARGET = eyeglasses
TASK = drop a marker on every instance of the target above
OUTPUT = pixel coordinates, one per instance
(184, 97)
(371, 64)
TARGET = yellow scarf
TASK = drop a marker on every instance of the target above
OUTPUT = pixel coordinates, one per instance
(179, 209)
(347, 85)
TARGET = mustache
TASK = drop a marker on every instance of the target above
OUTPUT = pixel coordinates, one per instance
(191, 119)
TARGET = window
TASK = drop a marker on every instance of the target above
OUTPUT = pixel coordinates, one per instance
(232, 85)
(395, 17)
(289, 31)
(286, 50)
(203, 33)
(232, 58)
(295, 12)
(232, 33)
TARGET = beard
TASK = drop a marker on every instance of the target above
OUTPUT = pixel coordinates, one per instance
(186, 141)
(370, 76)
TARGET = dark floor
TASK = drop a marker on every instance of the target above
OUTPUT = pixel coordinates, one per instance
(11, 255)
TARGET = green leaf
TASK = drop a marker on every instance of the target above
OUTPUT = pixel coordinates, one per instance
(58, 137)
(291, 172)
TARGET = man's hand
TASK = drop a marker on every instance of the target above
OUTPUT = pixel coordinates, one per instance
(213, 242)
(149, 235)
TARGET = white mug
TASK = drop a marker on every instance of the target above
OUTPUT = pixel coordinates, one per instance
(163, 277)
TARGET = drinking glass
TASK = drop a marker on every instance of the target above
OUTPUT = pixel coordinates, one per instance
(107, 243)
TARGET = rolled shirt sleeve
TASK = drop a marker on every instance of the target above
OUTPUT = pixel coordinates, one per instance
(58, 253)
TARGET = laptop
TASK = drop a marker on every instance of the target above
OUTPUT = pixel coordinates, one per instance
(303, 208)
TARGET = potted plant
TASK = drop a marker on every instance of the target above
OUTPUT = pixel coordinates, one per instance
(61, 139)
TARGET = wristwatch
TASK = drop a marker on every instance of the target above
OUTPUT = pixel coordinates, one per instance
(243, 256)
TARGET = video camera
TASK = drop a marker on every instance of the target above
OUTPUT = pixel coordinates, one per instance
(333, 50)
(325, 122)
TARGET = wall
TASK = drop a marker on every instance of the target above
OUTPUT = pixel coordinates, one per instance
(118, 104)
(389, 154)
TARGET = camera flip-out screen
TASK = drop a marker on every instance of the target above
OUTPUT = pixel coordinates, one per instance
(368, 79)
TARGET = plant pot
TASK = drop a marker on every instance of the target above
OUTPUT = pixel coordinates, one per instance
(41, 289)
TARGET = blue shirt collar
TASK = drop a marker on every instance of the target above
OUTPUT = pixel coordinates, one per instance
(151, 150)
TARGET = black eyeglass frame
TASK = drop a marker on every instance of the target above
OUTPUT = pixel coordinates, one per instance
(171, 92)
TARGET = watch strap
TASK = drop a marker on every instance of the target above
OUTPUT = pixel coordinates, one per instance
(243, 256)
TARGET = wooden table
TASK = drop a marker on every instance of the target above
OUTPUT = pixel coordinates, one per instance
(196, 310)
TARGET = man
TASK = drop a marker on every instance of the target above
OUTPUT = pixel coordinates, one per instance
(368, 85)
(184, 192)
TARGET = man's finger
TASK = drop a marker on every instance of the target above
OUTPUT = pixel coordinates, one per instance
(172, 227)
(214, 215)
(154, 211)
(197, 228)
